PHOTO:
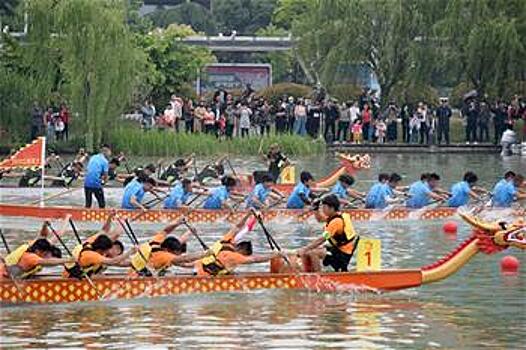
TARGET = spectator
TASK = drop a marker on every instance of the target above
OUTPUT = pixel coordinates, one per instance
(209, 121)
(300, 116)
(50, 124)
(168, 118)
(230, 116)
(265, 118)
(484, 119)
(391, 116)
(366, 122)
(405, 115)
(199, 117)
(381, 129)
(188, 116)
(177, 107)
(148, 114)
(344, 123)
(37, 121)
(59, 127)
(443, 114)
(357, 131)
(421, 113)
(244, 120)
(472, 116)
(314, 118)
(281, 117)
(332, 114)
(499, 121)
(414, 127)
(66, 117)
(291, 119)
(509, 137)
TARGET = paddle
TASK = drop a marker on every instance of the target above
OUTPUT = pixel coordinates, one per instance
(74, 228)
(5, 242)
(84, 275)
(56, 195)
(133, 239)
(193, 230)
(232, 168)
(11, 277)
(272, 242)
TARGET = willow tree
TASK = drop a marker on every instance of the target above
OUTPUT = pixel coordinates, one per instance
(100, 61)
(485, 42)
(379, 34)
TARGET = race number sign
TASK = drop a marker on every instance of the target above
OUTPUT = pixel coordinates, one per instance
(369, 254)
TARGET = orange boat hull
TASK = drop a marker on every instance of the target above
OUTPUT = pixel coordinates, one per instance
(60, 290)
(206, 215)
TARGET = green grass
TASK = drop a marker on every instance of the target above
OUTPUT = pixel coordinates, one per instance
(166, 143)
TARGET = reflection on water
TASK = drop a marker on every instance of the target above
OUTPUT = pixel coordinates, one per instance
(476, 308)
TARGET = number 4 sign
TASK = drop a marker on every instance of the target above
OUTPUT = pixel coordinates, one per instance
(369, 254)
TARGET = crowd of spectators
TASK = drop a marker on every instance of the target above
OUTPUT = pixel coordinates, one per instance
(360, 121)
(51, 121)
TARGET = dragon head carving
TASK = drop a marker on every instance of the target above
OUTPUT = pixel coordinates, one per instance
(357, 161)
(496, 236)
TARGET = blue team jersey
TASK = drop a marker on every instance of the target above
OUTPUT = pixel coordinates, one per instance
(98, 166)
(460, 194)
(419, 195)
(295, 201)
(133, 189)
(216, 198)
(260, 193)
(178, 196)
(371, 199)
(504, 194)
(340, 191)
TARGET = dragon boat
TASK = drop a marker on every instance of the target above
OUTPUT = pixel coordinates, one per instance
(347, 164)
(486, 237)
(210, 216)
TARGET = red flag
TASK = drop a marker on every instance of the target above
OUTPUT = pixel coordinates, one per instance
(29, 156)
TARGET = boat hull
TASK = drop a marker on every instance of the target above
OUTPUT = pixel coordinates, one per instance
(206, 215)
(60, 290)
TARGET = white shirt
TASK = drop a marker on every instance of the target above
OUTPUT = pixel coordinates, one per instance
(355, 113)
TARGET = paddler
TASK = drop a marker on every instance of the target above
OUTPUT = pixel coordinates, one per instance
(117, 248)
(219, 196)
(276, 161)
(97, 173)
(344, 191)
(383, 194)
(176, 170)
(422, 191)
(464, 190)
(375, 189)
(507, 190)
(232, 251)
(134, 193)
(212, 171)
(339, 237)
(263, 193)
(162, 252)
(302, 194)
(181, 193)
(71, 172)
(29, 258)
(146, 171)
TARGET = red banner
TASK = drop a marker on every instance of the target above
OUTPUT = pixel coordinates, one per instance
(29, 156)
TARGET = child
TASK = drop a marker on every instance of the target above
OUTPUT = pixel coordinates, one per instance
(357, 131)
(381, 128)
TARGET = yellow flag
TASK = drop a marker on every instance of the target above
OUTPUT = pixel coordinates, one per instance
(288, 175)
(369, 254)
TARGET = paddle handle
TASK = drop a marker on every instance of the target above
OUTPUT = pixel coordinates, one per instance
(5, 242)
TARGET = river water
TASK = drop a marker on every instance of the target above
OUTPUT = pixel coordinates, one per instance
(477, 308)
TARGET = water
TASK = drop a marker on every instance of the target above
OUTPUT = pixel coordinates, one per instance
(477, 308)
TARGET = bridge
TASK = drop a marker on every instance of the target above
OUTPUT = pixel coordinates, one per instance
(233, 43)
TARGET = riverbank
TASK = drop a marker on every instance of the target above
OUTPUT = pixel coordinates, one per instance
(413, 148)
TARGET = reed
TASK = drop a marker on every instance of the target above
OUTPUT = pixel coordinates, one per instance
(166, 143)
